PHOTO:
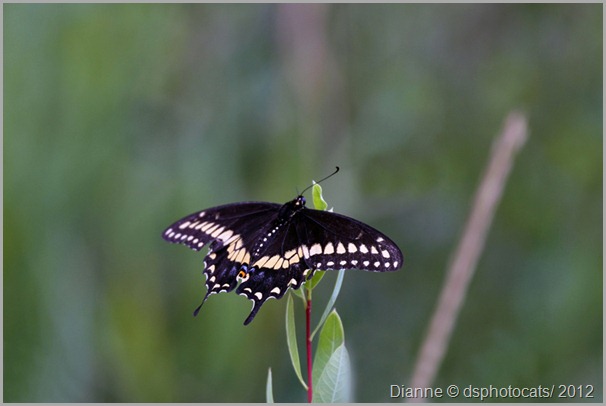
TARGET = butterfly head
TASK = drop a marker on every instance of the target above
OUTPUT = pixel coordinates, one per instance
(299, 202)
(291, 208)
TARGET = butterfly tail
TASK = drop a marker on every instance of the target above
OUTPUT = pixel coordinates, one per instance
(256, 306)
(199, 307)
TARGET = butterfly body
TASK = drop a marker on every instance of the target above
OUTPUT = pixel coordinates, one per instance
(263, 249)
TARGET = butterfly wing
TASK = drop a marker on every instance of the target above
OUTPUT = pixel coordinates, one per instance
(229, 229)
(220, 224)
(315, 240)
(279, 266)
(270, 248)
(335, 241)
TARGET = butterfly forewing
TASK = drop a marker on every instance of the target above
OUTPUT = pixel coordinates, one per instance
(335, 241)
(221, 223)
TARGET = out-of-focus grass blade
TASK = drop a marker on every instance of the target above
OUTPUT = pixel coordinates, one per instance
(269, 395)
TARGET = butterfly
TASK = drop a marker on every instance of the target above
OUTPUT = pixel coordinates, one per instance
(263, 249)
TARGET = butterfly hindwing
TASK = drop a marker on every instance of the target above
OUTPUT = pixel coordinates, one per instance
(278, 265)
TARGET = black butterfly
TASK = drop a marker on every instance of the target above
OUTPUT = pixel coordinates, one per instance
(268, 248)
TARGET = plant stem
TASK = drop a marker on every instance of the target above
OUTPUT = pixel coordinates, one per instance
(308, 346)
(468, 251)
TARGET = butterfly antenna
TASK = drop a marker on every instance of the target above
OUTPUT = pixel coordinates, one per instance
(321, 180)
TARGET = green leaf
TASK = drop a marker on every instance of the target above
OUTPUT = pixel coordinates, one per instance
(269, 395)
(313, 282)
(291, 340)
(319, 202)
(331, 337)
(299, 292)
(334, 384)
(331, 301)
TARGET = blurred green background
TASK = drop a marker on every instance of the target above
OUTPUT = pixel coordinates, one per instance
(120, 119)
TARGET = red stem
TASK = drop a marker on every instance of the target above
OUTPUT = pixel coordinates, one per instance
(308, 337)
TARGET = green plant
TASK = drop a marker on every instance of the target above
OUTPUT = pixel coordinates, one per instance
(329, 372)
